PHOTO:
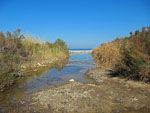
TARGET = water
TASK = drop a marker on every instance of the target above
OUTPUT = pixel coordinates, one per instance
(75, 69)
(78, 64)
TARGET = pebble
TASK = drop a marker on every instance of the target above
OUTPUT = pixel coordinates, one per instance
(71, 80)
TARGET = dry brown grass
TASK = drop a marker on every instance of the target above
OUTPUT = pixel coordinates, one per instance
(128, 57)
(19, 52)
(107, 55)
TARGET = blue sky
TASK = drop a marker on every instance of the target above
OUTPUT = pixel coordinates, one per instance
(81, 23)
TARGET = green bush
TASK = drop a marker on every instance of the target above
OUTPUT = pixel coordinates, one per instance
(135, 62)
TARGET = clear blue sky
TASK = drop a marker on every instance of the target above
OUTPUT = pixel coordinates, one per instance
(81, 23)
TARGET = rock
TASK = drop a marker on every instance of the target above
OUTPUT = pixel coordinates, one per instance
(22, 102)
(134, 99)
(23, 67)
(39, 64)
(71, 80)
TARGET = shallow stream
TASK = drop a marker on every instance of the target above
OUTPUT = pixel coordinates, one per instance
(78, 64)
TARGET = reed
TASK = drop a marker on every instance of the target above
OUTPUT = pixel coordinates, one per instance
(19, 52)
(127, 56)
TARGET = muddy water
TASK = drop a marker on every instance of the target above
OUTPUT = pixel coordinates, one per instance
(16, 97)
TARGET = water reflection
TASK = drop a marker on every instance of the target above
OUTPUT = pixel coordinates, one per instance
(10, 99)
(45, 77)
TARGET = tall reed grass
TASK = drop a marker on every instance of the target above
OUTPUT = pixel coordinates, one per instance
(18, 51)
(128, 56)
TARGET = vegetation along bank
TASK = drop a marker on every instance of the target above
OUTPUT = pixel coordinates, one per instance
(19, 53)
(127, 57)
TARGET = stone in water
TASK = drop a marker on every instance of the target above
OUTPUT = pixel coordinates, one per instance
(71, 80)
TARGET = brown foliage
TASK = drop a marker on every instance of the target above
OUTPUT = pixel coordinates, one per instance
(108, 54)
(17, 51)
(129, 57)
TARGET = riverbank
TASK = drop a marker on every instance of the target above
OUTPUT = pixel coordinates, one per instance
(16, 97)
(29, 69)
(20, 54)
(106, 95)
(127, 56)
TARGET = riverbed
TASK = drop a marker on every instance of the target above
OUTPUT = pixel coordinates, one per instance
(15, 97)
(93, 91)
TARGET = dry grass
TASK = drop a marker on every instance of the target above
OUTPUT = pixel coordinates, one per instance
(17, 51)
(107, 55)
(128, 57)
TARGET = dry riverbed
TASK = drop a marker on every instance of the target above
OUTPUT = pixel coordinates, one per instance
(106, 95)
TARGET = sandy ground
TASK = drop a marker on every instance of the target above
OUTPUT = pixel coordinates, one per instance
(105, 95)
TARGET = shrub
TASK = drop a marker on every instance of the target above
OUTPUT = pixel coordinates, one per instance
(107, 55)
(128, 57)
(17, 50)
(135, 62)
